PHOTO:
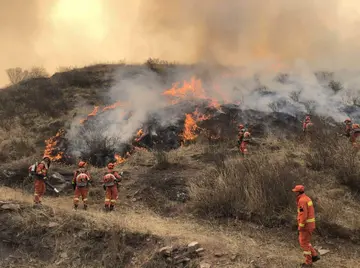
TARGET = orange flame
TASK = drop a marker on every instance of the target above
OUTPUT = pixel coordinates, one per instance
(50, 145)
(106, 108)
(119, 159)
(190, 127)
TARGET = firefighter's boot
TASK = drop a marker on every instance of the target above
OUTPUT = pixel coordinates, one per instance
(305, 265)
(75, 206)
(315, 258)
(111, 207)
(107, 208)
(85, 206)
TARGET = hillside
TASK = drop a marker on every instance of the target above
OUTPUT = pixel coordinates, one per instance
(184, 178)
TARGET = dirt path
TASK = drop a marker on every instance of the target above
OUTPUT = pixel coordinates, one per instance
(253, 246)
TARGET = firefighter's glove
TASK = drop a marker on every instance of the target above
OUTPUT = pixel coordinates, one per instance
(45, 178)
(104, 187)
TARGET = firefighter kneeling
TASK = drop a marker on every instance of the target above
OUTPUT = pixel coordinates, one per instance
(80, 182)
(111, 181)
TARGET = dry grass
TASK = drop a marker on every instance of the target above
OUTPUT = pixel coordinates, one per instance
(258, 189)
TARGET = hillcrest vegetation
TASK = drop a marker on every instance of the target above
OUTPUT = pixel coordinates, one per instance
(184, 180)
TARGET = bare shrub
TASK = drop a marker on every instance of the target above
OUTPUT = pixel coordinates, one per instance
(16, 75)
(162, 161)
(335, 86)
(347, 166)
(257, 189)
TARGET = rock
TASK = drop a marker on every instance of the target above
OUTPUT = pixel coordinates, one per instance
(193, 246)
(219, 254)
(64, 255)
(233, 257)
(52, 224)
(59, 262)
(165, 251)
(323, 251)
(134, 199)
(12, 207)
(205, 265)
(199, 250)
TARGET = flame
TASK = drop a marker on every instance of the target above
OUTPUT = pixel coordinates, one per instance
(119, 159)
(140, 134)
(50, 145)
(190, 128)
(95, 111)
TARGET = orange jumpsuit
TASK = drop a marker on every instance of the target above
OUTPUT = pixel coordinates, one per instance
(244, 142)
(81, 181)
(306, 226)
(110, 180)
(39, 183)
(307, 122)
(355, 137)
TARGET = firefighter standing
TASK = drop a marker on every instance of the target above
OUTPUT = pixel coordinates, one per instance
(241, 133)
(307, 123)
(39, 172)
(306, 225)
(80, 183)
(246, 138)
(348, 127)
(111, 181)
(354, 135)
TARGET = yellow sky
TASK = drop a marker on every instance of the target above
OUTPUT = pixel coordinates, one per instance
(78, 32)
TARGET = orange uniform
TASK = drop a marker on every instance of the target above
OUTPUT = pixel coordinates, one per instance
(111, 179)
(306, 224)
(355, 135)
(244, 142)
(80, 182)
(306, 123)
(39, 176)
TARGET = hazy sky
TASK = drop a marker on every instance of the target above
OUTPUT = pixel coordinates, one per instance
(55, 33)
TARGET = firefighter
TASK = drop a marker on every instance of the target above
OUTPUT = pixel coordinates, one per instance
(111, 181)
(39, 172)
(307, 124)
(246, 139)
(348, 126)
(306, 225)
(80, 183)
(354, 135)
(241, 133)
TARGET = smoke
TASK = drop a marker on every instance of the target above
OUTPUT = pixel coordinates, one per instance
(265, 37)
(239, 32)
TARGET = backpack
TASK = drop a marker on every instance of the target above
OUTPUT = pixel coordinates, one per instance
(32, 169)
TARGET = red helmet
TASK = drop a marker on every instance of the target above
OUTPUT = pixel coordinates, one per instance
(241, 126)
(110, 165)
(299, 188)
(82, 164)
(347, 120)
